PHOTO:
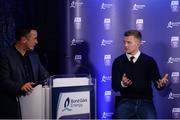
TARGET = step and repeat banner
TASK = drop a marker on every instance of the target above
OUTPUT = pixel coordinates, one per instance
(95, 38)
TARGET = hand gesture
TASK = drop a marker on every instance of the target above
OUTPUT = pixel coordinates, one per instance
(162, 82)
(126, 81)
(27, 87)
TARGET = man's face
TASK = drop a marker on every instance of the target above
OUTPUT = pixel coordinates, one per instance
(131, 45)
(31, 40)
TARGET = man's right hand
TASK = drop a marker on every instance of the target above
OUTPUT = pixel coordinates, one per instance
(126, 81)
(27, 87)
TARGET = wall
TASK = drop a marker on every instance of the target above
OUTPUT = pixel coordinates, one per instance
(95, 31)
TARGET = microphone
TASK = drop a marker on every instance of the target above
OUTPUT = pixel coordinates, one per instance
(36, 83)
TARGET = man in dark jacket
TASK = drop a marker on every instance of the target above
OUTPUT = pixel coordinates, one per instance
(132, 75)
(20, 68)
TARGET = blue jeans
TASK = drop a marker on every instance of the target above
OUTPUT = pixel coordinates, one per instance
(135, 108)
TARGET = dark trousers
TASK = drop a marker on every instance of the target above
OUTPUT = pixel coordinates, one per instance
(135, 108)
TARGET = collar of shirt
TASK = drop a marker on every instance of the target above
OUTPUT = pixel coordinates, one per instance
(136, 56)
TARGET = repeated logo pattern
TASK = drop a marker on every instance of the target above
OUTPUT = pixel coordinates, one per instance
(101, 25)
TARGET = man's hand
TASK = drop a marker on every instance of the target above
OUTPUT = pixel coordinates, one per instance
(162, 82)
(126, 81)
(27, 87)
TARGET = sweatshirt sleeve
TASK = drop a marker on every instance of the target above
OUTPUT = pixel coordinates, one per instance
(155, 75)
(116, 76)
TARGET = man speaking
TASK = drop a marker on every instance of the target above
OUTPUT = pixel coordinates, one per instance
(20, 68)
(132, 75)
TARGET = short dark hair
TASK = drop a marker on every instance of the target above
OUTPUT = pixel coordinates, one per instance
(22, 31)
(134, 33)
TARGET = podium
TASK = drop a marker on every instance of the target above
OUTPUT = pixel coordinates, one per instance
(33, 104)
(63, 97)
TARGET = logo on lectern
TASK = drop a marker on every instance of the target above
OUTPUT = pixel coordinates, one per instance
(67, 105)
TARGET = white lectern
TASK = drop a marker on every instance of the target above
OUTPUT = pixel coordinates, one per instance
(63, 97)
(72, 97)
(33, 104)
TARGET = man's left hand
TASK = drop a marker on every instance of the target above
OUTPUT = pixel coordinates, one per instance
(162, 82)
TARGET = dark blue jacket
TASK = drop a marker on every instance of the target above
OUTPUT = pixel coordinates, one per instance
(12, 77)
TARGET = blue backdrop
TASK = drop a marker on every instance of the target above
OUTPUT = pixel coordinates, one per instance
(94, 40)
